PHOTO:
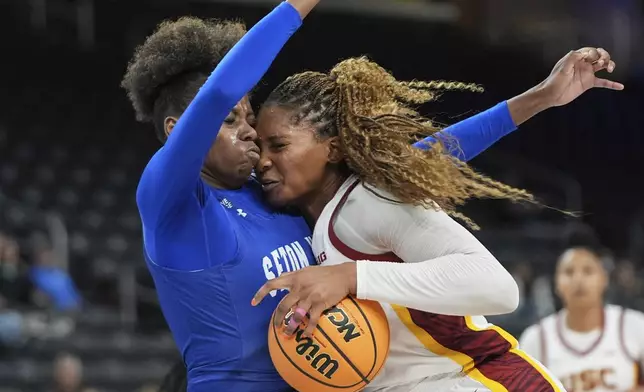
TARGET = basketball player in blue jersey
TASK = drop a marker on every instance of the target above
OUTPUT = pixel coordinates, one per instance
(209, 237)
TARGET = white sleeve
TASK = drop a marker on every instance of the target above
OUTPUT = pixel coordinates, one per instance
(530, 342)
(633, 336)
(446, 270)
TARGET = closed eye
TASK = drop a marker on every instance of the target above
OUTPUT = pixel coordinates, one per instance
(278, 146)
(230, 119)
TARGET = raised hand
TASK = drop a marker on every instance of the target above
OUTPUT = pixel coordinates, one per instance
(574, 74)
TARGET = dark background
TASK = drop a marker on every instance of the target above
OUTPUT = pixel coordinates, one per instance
(69, 144)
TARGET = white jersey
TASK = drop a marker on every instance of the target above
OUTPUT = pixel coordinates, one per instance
(604, 360)
(428, 351)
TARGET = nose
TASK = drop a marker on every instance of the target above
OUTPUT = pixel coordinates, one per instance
(248, 133)
(265, 163)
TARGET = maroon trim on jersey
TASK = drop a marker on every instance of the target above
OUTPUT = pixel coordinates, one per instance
(580, 353)
(543, 345)
(622, 339)
(515, 374)
(487, 348)
(344, 249)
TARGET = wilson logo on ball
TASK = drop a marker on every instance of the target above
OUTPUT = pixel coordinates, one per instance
(321, 362)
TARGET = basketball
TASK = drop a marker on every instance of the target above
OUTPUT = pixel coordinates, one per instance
(347, 349)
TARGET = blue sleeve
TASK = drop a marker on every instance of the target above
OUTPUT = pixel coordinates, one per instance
(475, 134)
(172, 175)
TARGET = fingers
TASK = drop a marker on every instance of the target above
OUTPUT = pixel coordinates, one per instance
(571, 59)
(598, 57)
(299, 313)
(314, 317)
(283, 282)
(609, 84)
(591, 55)
(603, 62)
(284, 310)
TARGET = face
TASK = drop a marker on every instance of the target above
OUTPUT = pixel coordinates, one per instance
(232, 157)
(580, 279)
(294, 162)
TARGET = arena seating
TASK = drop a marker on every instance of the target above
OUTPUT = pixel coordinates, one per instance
(114, 359)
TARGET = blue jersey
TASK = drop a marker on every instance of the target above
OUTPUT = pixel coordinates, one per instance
(221, 336)
(209, 250)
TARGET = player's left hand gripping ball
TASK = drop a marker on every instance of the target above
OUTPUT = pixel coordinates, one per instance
(312, 290)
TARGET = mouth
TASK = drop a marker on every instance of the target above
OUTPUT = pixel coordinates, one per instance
(253, 154)
(579, 293)
(269, 185)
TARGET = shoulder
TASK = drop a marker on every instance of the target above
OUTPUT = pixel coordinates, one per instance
(630, 334)
(633, 320)
(541, 327)
(531, 334)
(377, 205)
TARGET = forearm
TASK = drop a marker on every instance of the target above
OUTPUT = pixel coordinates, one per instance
(470, 137)
(303, 7)
(527, 105)
(458, 285)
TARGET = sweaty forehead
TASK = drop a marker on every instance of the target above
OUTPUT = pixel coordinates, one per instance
(244, 104)
(277, 123)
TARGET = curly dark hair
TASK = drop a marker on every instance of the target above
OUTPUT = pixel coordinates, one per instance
(373, 115)
(167, 71)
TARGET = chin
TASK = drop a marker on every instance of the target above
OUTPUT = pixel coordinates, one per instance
(245, 170)
(275, 201)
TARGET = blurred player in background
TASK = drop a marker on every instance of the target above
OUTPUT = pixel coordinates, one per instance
(336, 146)
(589, 345)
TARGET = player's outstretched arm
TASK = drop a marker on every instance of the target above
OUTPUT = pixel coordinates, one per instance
(172, 175)
(573, 75)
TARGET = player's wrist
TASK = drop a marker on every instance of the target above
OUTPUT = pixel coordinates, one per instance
(350, 275)
(530, 103)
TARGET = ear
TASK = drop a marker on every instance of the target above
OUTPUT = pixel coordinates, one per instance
(335, 151)
(168, 125)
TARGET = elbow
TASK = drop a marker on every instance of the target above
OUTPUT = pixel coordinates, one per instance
(503, 294)
(142, 201)
(146, 201)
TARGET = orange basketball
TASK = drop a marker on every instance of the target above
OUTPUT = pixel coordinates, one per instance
(347, 349)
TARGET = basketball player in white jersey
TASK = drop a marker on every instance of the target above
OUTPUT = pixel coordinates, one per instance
(337, 147)
(589, 345)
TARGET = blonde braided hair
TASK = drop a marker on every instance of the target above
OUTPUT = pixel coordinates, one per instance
(369, 110)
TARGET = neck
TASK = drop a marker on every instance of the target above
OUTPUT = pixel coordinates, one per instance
(213, 181)
(585, 319)
(312, 206)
